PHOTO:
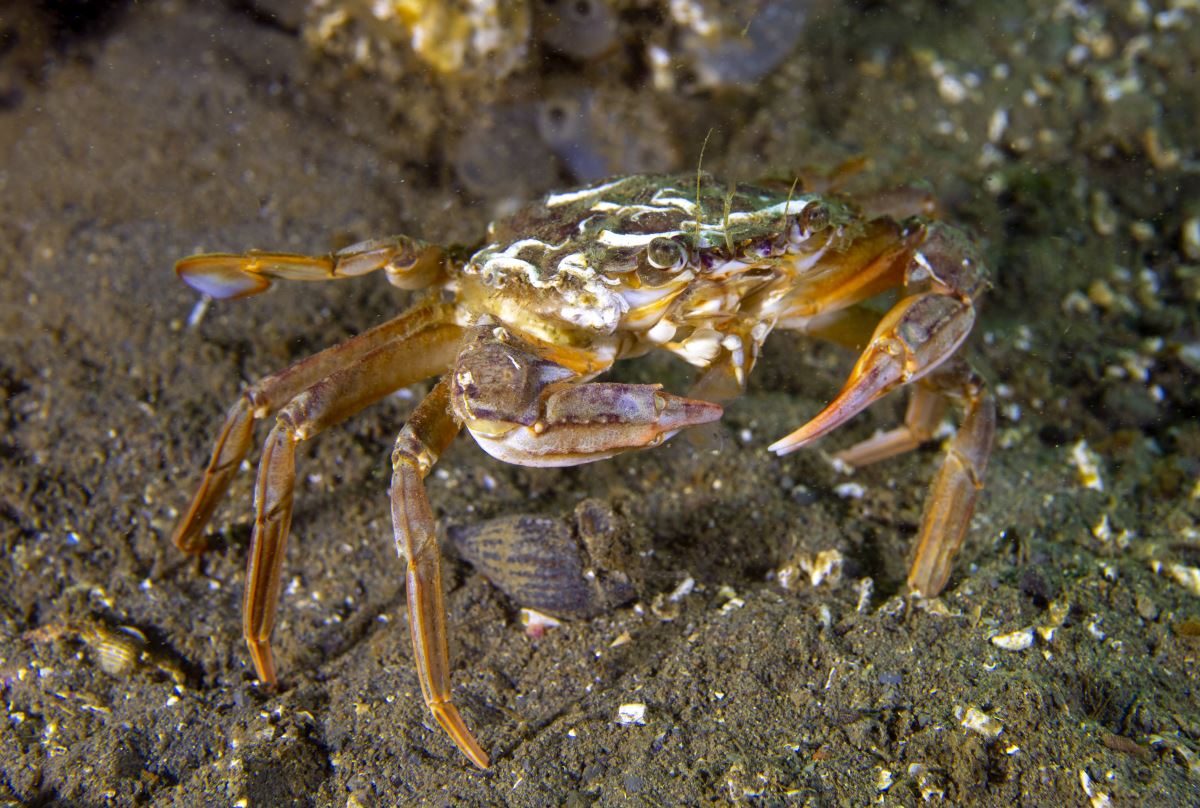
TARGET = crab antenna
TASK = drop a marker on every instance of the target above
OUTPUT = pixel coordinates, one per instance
(699, 169)
(788, 205)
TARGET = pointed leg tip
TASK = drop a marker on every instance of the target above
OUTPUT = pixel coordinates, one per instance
(264, 663)
(481, 760)
(448, 716)
(189, 542)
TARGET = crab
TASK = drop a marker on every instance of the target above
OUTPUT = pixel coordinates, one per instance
(519, 330)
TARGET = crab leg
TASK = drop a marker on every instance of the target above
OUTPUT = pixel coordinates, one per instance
(925, 409)
(894, 357)
(583, 423)
(850, 273)
(428, 432)
(266, 396)
(326, 403)
(956, 486)
(409, 263)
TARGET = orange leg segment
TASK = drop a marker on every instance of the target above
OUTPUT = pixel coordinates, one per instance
(956, 487)
(328, 402)
(266, 396)
(409, 263)
(427, 434)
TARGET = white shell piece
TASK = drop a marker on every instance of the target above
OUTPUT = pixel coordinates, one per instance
(1088, 464)
(827, 564)
(633, 713)
(1014, 640)
(683, 590)
(977, 720)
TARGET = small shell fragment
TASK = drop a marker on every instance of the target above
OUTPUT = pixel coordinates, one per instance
(1185, 576)
(683, 590)
(1087, 463)
(884, 780)
(632, 713)
(537, 623)
(1096, 798)
(825, 565)
(977, 720)
(1014, 640)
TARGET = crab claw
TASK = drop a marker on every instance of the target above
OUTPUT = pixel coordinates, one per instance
(585, 422)
(914, 337)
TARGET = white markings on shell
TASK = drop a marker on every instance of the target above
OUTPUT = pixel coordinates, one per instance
(498, 265)
(686, 205)
(610, 239)
(554, 200)
(596, 296)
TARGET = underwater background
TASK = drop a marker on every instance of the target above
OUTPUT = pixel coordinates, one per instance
(769, 655)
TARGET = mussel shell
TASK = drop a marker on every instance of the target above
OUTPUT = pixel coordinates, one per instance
(565, 567)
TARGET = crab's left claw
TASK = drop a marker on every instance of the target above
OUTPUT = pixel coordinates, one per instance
(914, 337)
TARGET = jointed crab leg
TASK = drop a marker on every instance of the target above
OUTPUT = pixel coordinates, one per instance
(925, 409)
(410, 264)
(429, 430)
(873, 262)
(331, 400)
(956, 486)
(914, 342)
(266, 396)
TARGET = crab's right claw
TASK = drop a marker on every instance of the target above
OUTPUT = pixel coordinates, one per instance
(914, 337)
(585, 422)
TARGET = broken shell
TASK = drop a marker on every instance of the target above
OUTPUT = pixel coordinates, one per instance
(568, 568)
(632, 713)
(1014, 640)
(977, 720)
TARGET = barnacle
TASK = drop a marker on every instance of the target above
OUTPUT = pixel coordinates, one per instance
(580, 29)
(737, 43)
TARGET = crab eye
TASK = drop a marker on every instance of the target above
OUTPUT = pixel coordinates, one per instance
(814, 218)
(665, 253)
